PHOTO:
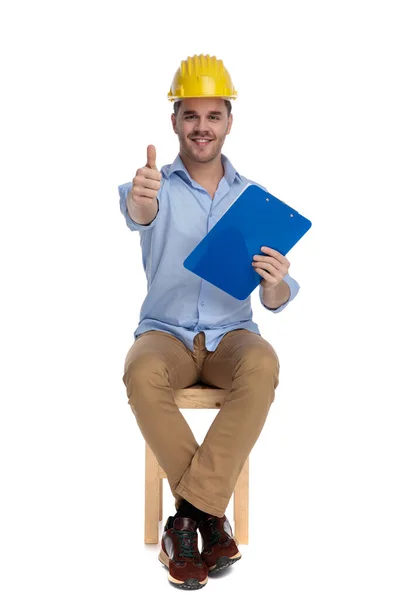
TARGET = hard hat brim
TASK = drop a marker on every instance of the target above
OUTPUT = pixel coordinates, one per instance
(179, 98)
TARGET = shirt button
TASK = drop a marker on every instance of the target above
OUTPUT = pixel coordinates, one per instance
(211, 214)
(201, 303)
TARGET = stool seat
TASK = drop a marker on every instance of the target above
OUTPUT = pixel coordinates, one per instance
(195, 396)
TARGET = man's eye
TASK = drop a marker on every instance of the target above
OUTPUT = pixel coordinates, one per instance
(189, 117)
(214, 117)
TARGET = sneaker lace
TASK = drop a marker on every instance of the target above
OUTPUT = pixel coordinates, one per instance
(215, 534)
(187, 547)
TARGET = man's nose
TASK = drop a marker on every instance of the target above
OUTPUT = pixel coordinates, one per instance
(202, 124)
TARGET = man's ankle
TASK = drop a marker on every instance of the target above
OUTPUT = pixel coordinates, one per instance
(186, 509)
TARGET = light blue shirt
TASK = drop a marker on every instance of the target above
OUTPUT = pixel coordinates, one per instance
(178, 301)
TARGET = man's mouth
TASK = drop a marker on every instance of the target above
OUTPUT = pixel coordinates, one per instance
(201, 142)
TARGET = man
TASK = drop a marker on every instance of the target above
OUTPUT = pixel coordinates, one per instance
(190, 331)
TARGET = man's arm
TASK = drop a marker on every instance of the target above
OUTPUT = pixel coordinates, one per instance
(275, 297)
(277, 288)
(143, 215)
(278, 303)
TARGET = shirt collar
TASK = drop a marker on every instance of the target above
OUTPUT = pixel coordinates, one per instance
(230, 172)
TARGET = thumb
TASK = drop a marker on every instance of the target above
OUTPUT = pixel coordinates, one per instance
(151, 157)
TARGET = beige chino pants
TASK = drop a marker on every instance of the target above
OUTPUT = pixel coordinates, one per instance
(244, 364)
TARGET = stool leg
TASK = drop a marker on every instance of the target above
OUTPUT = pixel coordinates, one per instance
(151, 499)
(160, 499)
(241, 505)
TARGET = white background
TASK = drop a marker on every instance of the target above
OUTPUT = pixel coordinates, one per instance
(317, 122)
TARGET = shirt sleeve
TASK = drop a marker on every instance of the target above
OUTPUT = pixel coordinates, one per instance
(123, 191)
(294, 290)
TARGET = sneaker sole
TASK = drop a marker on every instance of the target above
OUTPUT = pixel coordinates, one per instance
(189, 584)
(223, 562)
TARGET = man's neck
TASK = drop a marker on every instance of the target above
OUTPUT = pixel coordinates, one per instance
(208, 175)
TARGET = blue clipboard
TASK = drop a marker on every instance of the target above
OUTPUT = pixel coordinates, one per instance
(256, 218)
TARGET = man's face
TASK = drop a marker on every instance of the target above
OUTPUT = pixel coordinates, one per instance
(202, 125)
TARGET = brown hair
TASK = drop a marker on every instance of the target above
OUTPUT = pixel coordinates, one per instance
(177, 105)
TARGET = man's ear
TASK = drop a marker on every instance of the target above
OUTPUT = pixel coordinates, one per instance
(230, 121)
(173, 120)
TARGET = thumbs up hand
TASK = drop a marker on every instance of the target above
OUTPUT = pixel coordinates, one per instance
(147, 181)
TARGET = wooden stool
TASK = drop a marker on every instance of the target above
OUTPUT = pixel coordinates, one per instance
(195, 396)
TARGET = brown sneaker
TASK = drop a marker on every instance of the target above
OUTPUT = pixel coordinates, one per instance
(180, 553)
(219, 545)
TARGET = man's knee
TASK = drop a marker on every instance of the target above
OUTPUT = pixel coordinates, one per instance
(263, 358)
(143, 370)
(270, 364)
(269, 360)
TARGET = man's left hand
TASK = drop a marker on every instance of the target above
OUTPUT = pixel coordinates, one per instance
(273, 267)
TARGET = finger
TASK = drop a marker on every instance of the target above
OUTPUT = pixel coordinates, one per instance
(152, 184)
(149, 173)
(268, 260)
(151, 157)
(267, 268)
(266, 276)
(147, 192)
(274, 253)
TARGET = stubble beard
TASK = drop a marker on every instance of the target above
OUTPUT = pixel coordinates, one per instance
(198, 157)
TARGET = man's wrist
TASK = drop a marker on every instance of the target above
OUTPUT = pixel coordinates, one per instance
(274, 297)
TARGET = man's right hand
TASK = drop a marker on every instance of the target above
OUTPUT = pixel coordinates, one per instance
(147, 181)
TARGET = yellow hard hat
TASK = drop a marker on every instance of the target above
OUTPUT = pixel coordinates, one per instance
(202, 76)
